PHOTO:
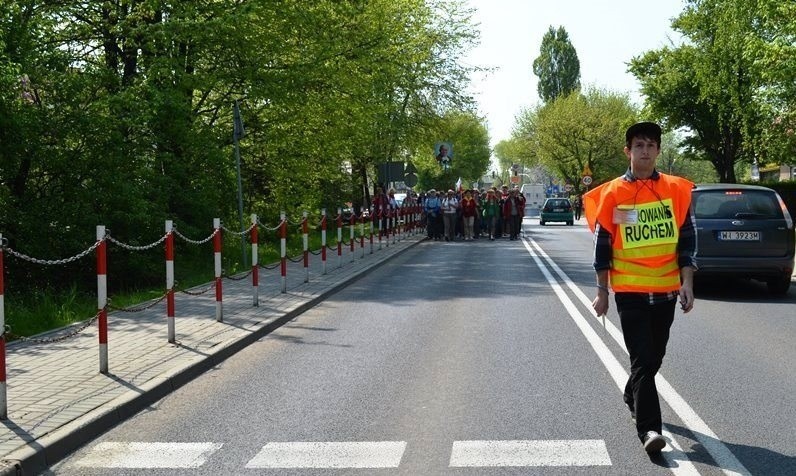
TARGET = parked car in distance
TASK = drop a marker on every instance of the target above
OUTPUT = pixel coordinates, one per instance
(744, 231)
(557, 210)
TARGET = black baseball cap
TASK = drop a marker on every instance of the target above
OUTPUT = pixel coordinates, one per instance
(649, 130)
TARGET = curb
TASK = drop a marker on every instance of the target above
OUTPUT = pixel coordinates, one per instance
(40, 454)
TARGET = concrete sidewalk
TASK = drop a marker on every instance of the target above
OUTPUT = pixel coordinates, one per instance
(58, 400)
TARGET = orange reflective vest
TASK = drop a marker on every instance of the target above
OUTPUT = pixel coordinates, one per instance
(644, 220)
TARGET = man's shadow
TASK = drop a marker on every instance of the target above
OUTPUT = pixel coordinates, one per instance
(757, 460)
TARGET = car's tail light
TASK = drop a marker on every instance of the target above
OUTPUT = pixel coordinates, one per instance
(785, 212)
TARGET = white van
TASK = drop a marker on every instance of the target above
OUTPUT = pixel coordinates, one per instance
(534, 194)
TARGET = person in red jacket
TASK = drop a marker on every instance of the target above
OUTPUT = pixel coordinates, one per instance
(469, 210)
(513, 211)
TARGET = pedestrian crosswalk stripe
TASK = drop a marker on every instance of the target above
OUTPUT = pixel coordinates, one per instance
(148, 455)
(364, 454)
(529, 453)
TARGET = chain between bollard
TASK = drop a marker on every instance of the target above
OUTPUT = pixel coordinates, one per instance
(239, 278)
(138, 309)
(52, 340)
(240, 233)
(134, 247)
(31, 259)
(198, 293)
(268, 228)
(196, 242)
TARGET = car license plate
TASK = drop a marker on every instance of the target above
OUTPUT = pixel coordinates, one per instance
(558, 210)
(739, 235)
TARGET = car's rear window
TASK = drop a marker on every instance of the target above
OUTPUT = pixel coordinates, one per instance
(723, 204)
(557, 203)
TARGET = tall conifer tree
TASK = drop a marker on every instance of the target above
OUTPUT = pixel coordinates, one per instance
(557, 65)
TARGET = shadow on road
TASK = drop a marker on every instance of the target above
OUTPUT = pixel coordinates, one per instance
(756, 459)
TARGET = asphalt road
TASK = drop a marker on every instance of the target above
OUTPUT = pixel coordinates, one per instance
(477, 358)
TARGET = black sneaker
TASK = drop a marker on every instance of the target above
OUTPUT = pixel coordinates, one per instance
(653, 442)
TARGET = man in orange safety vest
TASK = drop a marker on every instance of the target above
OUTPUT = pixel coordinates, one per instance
(645, 250)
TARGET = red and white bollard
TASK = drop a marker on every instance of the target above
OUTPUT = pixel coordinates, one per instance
(372, 219)
(255, 263)
(387, 215)
(399, 213)
(170, 280)
(394, 221)
(102, 299)
(323, 240)
(351, 235)
(305, 231)
(362, 233)
(380, 216)
(217, 265)
(283, 249)
(3, 386)
(339, 237)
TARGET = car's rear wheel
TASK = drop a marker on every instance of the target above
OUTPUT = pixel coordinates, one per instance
(778, 286)
(569, 223)
(541, 222)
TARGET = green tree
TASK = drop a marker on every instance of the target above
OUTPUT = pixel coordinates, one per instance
(728, 84)
(673, 161)
(579, 130)
(512, 151)
(470, 138)
(124, 117)
(557, 65)
(772, 50)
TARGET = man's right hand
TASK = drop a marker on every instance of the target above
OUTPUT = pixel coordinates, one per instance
(600, 303)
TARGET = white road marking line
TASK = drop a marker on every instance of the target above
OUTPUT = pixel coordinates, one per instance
(363, 454)
(148, 455)
(727, 461)
(682, 465)
(529, 453)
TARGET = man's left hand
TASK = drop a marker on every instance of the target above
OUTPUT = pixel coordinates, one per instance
(686, 298)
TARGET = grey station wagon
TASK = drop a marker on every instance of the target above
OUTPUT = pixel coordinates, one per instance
(744, 231)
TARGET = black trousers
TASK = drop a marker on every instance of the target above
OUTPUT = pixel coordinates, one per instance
(646, 332)
(515, 223)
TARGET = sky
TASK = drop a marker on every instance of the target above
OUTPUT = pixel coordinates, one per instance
(605, 34)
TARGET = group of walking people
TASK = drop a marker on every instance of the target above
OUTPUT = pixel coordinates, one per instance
(471, 213)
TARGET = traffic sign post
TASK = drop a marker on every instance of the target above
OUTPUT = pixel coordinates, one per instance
(587, 180)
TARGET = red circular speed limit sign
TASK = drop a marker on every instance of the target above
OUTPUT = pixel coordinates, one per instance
(586, 180)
